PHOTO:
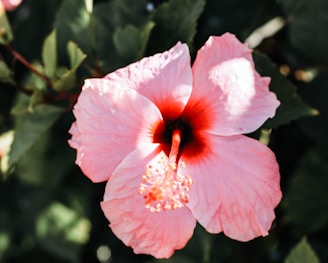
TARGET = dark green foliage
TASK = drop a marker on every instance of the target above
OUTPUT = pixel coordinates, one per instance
(306, 199)
(31, 124)
(50, 212)
(302, 253)
(291, 105)
(307, 27)
(172, 25)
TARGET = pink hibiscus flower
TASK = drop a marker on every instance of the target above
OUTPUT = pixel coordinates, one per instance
(9, 5)
(167, 139)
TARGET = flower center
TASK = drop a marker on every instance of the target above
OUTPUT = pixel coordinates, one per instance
(163, 186)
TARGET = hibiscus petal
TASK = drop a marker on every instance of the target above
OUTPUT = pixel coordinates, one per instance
(110, 122)
(235, 187)
(164, 78)
(155, 233)
(227, 90)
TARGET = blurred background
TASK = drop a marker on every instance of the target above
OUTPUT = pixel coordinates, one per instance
(50, 212)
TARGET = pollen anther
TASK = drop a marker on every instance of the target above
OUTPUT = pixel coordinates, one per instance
(164, 187)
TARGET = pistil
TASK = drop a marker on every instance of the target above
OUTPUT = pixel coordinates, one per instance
(163, 186)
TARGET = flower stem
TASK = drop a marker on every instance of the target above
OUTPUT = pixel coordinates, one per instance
(22, 60)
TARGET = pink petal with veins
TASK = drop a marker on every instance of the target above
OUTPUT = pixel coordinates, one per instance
(164, 78)
(229, 88)
(98, 135)
(155, 233)
(235, 187)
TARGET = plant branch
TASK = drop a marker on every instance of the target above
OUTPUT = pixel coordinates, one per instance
(22, 60)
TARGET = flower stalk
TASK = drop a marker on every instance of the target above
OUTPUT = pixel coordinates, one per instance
(22, 60)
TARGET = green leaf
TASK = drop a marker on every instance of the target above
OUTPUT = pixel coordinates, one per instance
(62, 230)
(37, 87)
(67, 80)
(49, 159)
(32, 81)
(49, 54)
(316, 93)
(4, 242)
(76, 56)
(111, 23)
(306, 199)
(35, 99)
(73, 22)
(130, 41)
(5, 73)
(302, 253)
(29, 128)
(307, 27)
(30, 167)
(116, 14)
(291, 105)
(175, 21)
(144, 38)
(6, 35)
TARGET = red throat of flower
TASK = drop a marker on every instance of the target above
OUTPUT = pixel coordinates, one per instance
(163, 186)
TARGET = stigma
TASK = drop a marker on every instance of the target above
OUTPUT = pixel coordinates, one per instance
(164, 186)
